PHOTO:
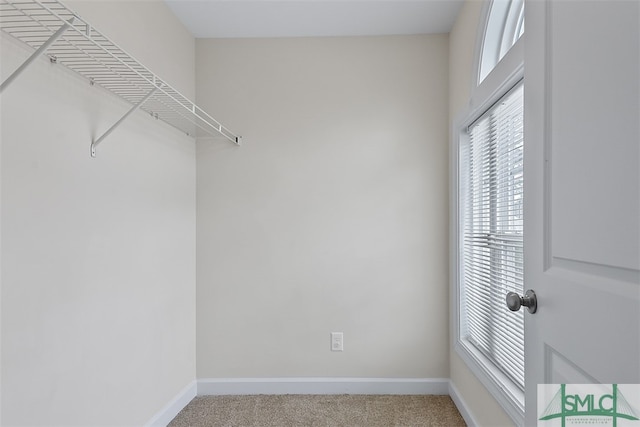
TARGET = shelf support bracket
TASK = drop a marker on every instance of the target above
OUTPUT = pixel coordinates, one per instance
(35, 55)
(95, 143)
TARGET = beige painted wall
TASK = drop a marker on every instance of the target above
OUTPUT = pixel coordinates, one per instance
(98, 255)
(322, 214)
(462, 45)
(333, 214)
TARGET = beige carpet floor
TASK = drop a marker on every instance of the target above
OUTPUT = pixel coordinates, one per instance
(319, 410)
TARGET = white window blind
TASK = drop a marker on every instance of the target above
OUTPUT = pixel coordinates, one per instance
(491, 195)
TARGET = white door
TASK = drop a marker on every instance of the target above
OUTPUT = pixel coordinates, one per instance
(582, 193)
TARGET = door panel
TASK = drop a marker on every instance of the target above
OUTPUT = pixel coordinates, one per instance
(594, 80)
(582, 193)
(560, 370)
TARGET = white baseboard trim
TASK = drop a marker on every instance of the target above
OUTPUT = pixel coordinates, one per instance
(462, 405)
(177, 404)
(244, 386)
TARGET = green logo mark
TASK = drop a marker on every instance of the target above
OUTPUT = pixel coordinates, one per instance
(612, 405)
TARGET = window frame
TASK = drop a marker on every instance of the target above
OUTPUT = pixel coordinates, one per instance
(506, 74)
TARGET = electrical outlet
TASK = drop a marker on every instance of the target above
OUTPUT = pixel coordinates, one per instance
(337, 341)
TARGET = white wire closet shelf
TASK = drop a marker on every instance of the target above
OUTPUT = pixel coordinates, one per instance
(50, 27)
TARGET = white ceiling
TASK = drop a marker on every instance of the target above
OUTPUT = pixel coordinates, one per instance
(314, 18)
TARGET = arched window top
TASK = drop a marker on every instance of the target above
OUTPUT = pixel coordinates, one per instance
(504, 26)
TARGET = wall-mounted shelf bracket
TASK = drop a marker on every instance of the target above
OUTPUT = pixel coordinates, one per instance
(55, 36)
(96, 142)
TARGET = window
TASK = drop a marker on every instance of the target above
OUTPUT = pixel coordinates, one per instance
(505, 25)
(487, 238)
(491, 262)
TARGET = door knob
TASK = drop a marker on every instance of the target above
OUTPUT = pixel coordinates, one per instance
(529, 300)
